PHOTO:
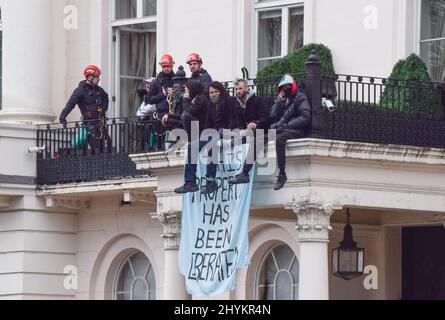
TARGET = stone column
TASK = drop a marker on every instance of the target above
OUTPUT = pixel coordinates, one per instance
(174, 281)
(313, 233)
(26, 94)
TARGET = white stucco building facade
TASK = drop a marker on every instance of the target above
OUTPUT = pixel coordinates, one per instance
(115, 232)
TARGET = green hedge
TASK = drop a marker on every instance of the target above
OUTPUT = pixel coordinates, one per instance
(409, 88)
(295, 63)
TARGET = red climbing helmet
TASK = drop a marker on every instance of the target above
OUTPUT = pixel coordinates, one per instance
(91, 71)
(194, 57)
(167, 61)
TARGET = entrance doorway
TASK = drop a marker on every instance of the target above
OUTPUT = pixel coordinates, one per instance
(423, 263)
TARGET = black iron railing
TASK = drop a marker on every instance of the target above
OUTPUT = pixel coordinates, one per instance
(92, 151)
(370, 109)
(344, 107)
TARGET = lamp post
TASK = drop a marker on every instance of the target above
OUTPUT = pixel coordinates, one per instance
(348, 259)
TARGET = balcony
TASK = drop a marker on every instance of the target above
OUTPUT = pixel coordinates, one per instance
(344, 107)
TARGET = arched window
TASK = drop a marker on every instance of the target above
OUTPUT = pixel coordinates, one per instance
(278, 275)
(135, 279)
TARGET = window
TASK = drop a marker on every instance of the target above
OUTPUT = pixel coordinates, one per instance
(280, 28)
(134, 36)
(432, 37)
(132, 9)
(135, 279)
(278, 275)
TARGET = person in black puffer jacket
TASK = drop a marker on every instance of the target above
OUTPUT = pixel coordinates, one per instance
(91, 99)
(163, 85)
(291, 116)
(93, 103)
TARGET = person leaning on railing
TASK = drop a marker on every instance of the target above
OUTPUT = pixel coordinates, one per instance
(291, 115)
(93, 102)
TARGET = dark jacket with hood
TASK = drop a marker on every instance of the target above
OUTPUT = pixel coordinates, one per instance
(292, 114)
(198, 104)
(89, 98)
(222, 115)
(203, 77)
(253, 110)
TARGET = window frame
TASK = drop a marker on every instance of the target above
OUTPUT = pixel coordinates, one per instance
(120, 268)
(286, 6)
(418, 41)
(294, 259)
(116, 25)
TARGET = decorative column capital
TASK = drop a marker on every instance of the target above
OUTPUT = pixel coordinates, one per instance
(171, 224)
(313, 221)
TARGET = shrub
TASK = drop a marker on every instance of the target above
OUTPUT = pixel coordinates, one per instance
(409, 88)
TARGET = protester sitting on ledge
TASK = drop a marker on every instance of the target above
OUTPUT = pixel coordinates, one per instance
(291, 115)
(251, 113)
(220, 116)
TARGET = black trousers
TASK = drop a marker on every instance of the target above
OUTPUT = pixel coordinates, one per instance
(253, 148)
(280, 145)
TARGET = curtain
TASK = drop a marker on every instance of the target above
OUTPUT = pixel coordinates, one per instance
(269, 35)
(438, 50)
(433, 27)
(152, 54)
(133, 70)
(296, 29)
(126, 9)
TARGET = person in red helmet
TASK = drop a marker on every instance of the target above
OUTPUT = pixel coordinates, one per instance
(199, 74)
(89, 96)
(163, 84)
(93, 102)
(291, 116)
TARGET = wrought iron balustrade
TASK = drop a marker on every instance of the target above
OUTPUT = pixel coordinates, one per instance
(103, 155)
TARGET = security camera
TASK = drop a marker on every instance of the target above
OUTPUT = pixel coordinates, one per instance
(328, 104)
(36, 149)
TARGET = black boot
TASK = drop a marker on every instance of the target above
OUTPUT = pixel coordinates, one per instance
(281, 181)
(241, 178)
(188, 187)
(209, 188)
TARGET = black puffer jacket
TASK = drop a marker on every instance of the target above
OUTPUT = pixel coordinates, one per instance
(203, 77)
(89, 98)
(254, 110)
(293, 114)
(158, 98)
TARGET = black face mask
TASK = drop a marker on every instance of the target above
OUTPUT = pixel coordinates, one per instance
(288, 92)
